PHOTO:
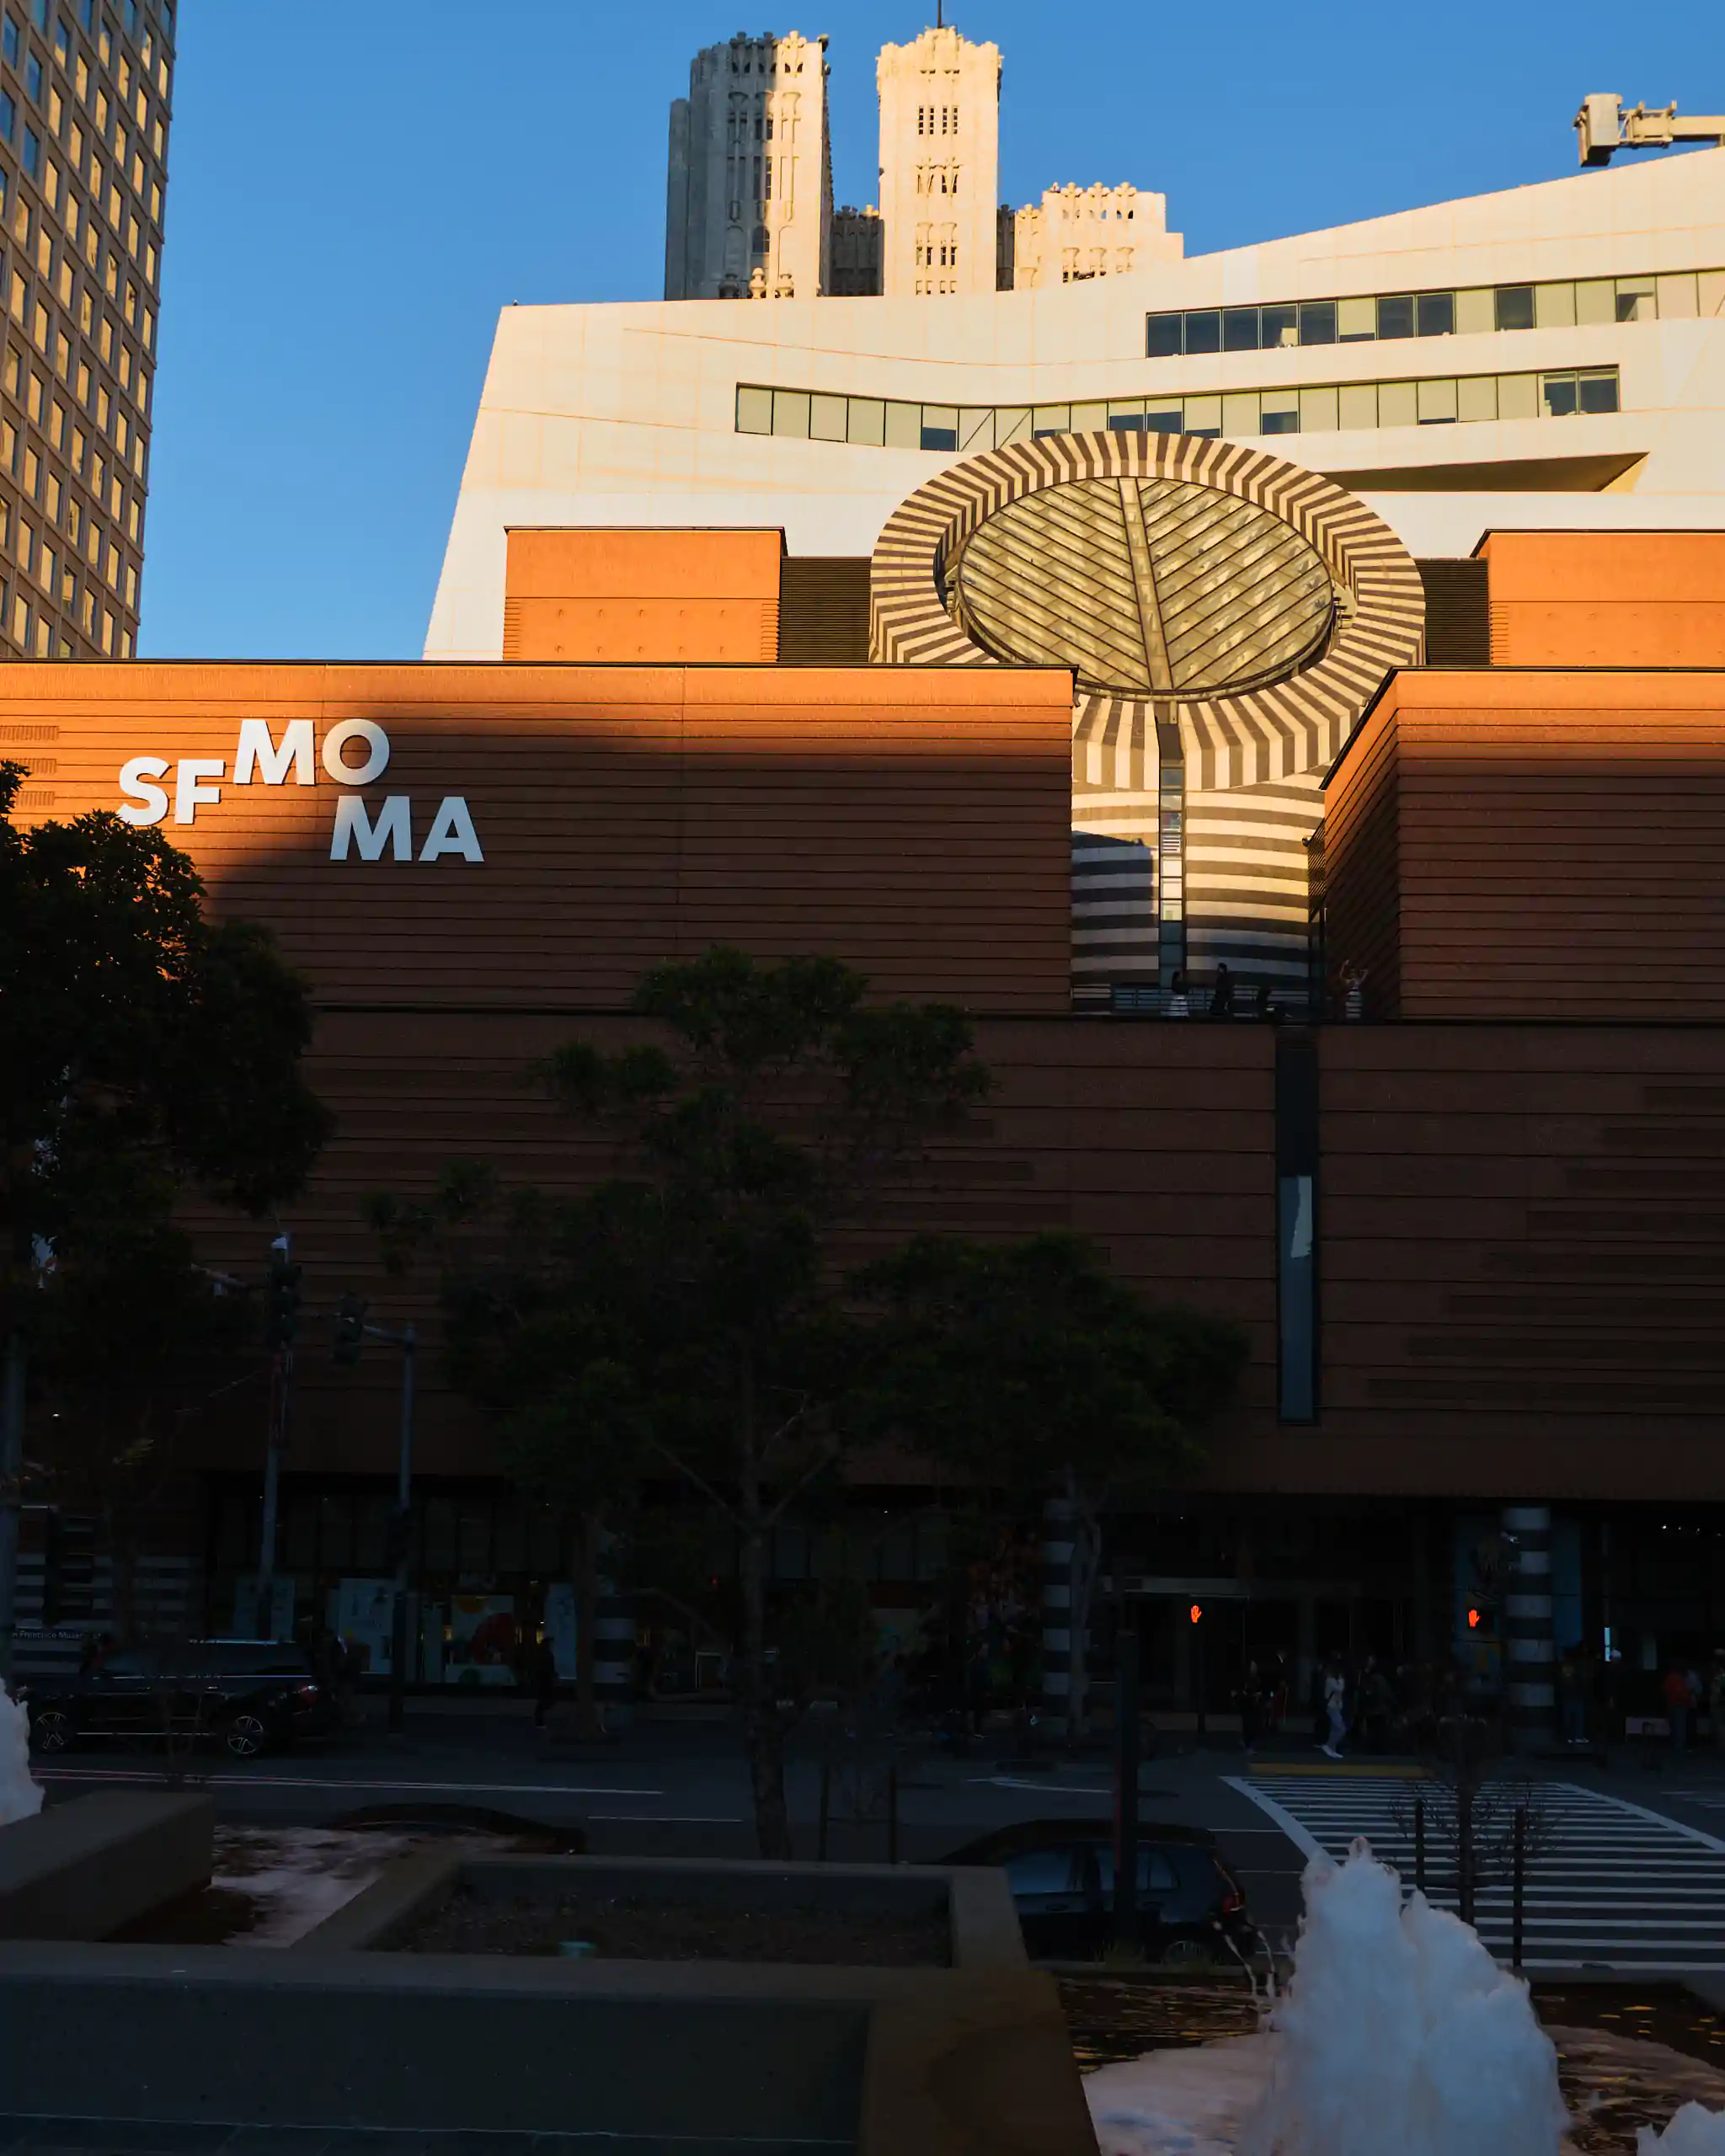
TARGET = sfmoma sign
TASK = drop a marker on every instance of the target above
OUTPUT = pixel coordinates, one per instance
(374, 831)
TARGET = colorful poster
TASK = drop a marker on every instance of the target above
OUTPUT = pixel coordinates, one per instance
(482, 1640)
(365, 1617)
(562, 1627)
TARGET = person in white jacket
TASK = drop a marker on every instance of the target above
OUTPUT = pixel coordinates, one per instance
(1335, 1706)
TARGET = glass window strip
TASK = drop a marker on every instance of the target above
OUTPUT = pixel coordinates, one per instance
(1302, 408)
(1383, 318)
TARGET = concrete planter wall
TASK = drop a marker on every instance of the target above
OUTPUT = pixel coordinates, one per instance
(422, 2052)
(81, 1870)
(982, 1924)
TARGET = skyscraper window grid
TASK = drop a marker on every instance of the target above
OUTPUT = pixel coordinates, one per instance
(82, 179)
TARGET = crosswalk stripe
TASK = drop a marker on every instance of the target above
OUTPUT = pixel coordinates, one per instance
(1621, 1886)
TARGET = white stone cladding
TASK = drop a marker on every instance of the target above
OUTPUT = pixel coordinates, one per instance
(940, 112)
(1075, 234)
(628, 413)
(749, 178)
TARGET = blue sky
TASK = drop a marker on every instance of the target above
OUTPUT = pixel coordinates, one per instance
(357, 186)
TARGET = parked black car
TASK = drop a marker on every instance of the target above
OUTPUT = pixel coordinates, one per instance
(1191, 1906)
(252, 1695)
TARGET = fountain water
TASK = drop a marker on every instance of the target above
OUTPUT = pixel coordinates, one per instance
(20, 1792)
(1399, 2035)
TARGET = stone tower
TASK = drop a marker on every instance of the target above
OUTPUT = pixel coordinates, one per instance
(749, 180)
(940, 106)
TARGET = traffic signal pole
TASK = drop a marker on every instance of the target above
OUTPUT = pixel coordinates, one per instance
(409, 1339)
(282, 1293)
(1126, 1779)
(12, 1396)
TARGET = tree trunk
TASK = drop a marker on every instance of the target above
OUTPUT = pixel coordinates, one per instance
(763, 1732)
(1081, 1584)
(590, 1540)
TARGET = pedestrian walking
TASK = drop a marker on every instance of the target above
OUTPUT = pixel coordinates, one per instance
(1179, 1003)
(1678, 1700)
(1250, 1697)
(542, 1668)
(1572, 1698)
(1221, 996)
(1377, 1706)
(1715, 1698)
(1335, 1708)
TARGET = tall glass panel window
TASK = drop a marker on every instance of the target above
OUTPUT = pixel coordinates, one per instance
(1204, 332)
(1435, 314)
(1162, 337)
(1280, 326)
(1317, 322)
(1515, 306)
(1395, 316)
(1296, 1297)
(1240, 329)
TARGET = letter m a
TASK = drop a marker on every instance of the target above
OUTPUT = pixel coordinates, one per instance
(352, 822)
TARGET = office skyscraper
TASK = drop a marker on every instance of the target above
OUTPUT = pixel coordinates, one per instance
(749, 180)
(85, 91)
(940, 124)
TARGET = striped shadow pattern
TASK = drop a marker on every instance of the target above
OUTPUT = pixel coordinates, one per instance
(1224, 591)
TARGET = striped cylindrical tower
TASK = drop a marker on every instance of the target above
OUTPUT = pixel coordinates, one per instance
(1057, 1533)
(1529, 1650)
(613, 1645)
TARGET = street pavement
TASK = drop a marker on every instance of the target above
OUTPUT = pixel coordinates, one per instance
(678, 1787)
(1634, 1879)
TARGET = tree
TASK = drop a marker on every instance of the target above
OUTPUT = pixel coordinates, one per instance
(691, 1312)
(1029, 1365)
(150, 1053)
(548, 1320)
(120, 998)
(130, 1340)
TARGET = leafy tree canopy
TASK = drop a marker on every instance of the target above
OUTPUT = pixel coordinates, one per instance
(132, 1020)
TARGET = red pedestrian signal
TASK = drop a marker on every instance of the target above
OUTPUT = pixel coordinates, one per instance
(1196, 1611)
(1473, 1621)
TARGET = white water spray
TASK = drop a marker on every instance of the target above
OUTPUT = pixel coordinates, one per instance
(1695, 2130)
(1400, 2033)
(1399, 2036)
(20, 1792)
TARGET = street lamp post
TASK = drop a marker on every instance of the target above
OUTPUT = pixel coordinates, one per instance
(351, 1333)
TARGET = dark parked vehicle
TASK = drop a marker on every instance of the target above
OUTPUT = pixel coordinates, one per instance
(252, 1695)
(1191, 1908)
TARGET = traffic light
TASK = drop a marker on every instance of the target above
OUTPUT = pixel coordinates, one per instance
(350, 1329)
(281, 1300)
(1473, 1621)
